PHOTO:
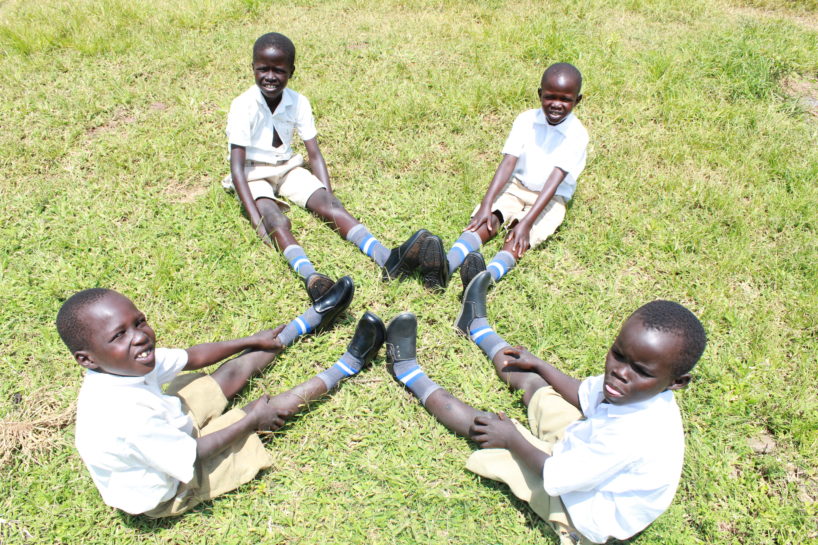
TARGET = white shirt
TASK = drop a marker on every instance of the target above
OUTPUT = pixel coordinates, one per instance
(250, 124)
(540, 147)
(135, 440)
(617, 470)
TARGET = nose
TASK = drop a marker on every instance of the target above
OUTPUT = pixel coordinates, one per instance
(140, 337)
(619, 371)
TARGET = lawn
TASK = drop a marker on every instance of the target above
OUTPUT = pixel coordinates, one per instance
(700, 187)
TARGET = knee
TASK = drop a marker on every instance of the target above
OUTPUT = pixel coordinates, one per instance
(273, 217)
(325, 204)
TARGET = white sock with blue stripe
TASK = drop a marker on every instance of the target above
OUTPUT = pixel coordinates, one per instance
(360, 236)
(346, 366)
(302, 325)
(298, 260)
(469, 241)
(413, 377)
(484, 336)
(501, 264)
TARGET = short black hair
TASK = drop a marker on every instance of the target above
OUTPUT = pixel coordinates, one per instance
(564, 69)
(71, 324)
(277, 41)
(671, 317)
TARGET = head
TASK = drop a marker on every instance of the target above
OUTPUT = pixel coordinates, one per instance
(655, 351)
(105, 332)
(273, 64)
(559, 91)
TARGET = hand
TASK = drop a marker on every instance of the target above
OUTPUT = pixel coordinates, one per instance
(493, 431)
(482, 216)
(518, 358)
(267, 339)
(518, 238)
(268, 416)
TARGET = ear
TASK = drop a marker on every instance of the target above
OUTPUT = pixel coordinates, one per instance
(539, 92)
(85, 359)
(292, 71)
(579, 97)
(680, 382)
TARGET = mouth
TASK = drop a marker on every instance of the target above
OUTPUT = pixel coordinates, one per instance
(146, 354)
(270, 87)
(612, 392)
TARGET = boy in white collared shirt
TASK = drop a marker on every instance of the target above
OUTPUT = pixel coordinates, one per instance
(263, 169)
(161, 453)
(542, 159)
(603, 456)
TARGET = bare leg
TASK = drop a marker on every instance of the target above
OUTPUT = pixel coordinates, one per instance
(278, 225)
(526, 381)
(326, 206)
(233, 375)
(457, 416)
(293, 400)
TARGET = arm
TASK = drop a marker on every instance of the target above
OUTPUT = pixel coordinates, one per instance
(517, 358)
(202, 355)
(518, 236)
(261, 415)
(500, 432)
(501, 176)
(317, 163)
(238, 154)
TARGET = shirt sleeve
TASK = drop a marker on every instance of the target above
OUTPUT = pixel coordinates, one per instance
(584, 468)
(239, 124)
(305, 122)
(169, 363)
(516, 138)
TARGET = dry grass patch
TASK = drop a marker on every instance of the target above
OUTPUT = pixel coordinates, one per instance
(33, 427)
(804, 89)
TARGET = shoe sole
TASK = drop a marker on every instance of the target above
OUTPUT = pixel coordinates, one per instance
(431, 265)
(470, 269)
(319, 287)
(404, 269)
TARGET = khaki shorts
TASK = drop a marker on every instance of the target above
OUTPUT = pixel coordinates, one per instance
(286, 179)
(548, 415)
(204, 401)
(514, 203)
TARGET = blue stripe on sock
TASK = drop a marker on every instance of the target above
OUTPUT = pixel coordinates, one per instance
(344, 369)
(367, 244)
(414, 378)
(415, 369)
(302, 326)
(462, 248)
(499, 266)
(297, 262)
(482, 333)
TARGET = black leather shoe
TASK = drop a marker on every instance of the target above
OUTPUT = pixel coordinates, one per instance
(334, 302)
(473, 265)
(434, 267)
(317, 285)
(368, 337)
(404, 259)
(401, 338)
(474, 302)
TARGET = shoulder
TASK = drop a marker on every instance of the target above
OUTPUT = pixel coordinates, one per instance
(574, 130)
(527, 117)
(248, 100)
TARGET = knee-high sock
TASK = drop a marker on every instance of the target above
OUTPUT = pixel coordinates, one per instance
(501, 264)
(469, 241)
(413, 377)
(302, 325)
(485, 337)
(298, 260)
(361, 237)
(346, 366)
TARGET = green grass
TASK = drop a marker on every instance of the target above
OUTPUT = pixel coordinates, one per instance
(700, 188)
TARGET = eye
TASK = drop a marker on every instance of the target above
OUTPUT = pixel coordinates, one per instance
(617, 355)
(641, 371)
(117, 335)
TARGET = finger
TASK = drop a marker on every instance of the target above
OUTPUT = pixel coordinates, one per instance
(278, 330)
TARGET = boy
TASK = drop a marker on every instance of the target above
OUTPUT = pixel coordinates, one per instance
(605, 456)
(542, 159)
(161, 454)
(263, 169)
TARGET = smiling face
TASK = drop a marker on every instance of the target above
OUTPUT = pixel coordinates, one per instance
(120, 341)
(559, 93)
(272, 70)
(639, 365)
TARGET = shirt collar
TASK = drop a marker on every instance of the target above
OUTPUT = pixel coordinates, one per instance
(621, 410)
(117, 380)
(286, 99)
(562, 128)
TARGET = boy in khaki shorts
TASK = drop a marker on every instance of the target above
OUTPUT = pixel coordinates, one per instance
(264, 169)
(542, 159)
(161, 453)
(604, 455)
